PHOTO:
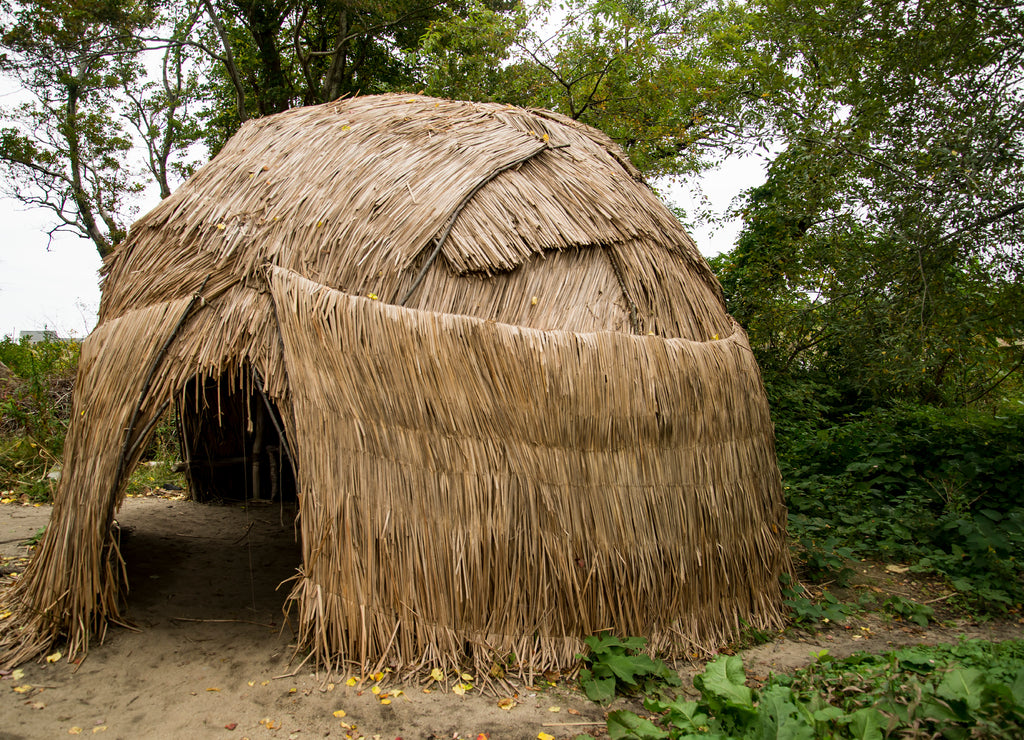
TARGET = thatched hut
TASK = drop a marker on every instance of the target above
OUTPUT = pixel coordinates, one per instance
(514, 406)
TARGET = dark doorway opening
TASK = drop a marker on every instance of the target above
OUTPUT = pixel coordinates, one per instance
(231, 442)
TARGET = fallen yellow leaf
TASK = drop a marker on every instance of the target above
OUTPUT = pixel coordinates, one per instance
(375, 690)
(252, 683)
(101, 728)
(545, 736)
(554, 709)
(339, 713)
(213, 689)
(437, 674)
(22, 689)
(459, 689)
(506, 703)
(75, 731)
(466, 677)
(352, 681)
(377, 676)
(385, 701)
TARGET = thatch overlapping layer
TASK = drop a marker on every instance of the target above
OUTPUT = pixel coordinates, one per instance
(546, 426)
(72, 581)
(353, 194)
(465, 481)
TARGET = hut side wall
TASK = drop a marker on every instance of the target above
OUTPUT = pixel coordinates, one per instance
(74, 581)
(469, 486)
(142, 359)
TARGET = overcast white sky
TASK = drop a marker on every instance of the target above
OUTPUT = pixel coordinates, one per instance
(58, 288)
(55, 289)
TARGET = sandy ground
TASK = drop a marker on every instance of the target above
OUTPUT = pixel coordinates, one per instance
(209, 654)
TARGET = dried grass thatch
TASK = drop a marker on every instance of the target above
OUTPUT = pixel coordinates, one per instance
(545, 427)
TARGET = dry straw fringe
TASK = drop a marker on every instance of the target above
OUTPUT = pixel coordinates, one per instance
(500, 468)
(474, 487)
(73, 581)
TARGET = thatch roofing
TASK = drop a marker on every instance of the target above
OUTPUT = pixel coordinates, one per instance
(355, 193)
(516, 407)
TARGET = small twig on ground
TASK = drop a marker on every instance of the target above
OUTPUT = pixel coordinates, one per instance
(297, 669)
(244, 534)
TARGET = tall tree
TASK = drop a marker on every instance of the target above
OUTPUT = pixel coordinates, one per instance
(668, 80)
(892, 226)
(62, 149)
(267, 57)
(97, 88)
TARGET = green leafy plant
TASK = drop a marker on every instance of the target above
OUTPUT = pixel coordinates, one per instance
(910, 610)
(751, 636)
(34, 539)
(973, 689)
(811, 613)
(617, 666)
(35, 404)
(932, 487)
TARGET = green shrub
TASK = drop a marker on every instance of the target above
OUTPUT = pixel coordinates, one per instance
(935, 487)
(973, 689)
(35, 405)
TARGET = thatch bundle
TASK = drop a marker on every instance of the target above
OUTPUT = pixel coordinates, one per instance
(515, 407)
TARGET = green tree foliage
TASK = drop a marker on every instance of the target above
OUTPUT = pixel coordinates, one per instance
(671, 82)
(883, 256)
(266, 57)
(102, 77)
(62, 149)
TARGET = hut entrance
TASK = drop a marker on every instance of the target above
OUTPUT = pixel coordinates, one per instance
(230, 442)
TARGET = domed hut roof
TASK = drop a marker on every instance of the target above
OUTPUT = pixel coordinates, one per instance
(515, 409)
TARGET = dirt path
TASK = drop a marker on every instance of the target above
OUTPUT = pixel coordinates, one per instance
(210, 658)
